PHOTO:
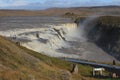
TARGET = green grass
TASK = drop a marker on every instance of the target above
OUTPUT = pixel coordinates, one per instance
(115, 20)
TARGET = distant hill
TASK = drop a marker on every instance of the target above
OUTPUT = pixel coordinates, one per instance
(79, 11)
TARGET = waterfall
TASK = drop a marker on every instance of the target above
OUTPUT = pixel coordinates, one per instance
(61, 40)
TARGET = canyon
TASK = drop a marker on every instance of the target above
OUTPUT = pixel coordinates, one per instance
(55, 36)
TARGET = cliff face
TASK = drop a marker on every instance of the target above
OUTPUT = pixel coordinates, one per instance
(106, 34)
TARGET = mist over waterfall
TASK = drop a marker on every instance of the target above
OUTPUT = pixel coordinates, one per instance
(85, 26)
(81, 29)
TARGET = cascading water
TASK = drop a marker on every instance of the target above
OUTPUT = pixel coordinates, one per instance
(63, 40)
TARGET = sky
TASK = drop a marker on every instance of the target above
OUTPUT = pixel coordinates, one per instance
(44, 4)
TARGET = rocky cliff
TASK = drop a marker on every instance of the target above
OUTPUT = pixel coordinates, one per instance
(105, 32)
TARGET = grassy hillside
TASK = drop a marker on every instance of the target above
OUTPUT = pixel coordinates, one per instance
(19, 63)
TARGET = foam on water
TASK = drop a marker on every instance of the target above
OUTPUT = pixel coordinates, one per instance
(63, 40)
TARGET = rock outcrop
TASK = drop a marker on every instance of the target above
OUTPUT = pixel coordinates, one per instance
(106, 34)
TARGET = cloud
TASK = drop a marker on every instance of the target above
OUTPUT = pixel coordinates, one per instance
(13, 3)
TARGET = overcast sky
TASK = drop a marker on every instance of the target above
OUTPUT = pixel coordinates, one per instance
(43, 4)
